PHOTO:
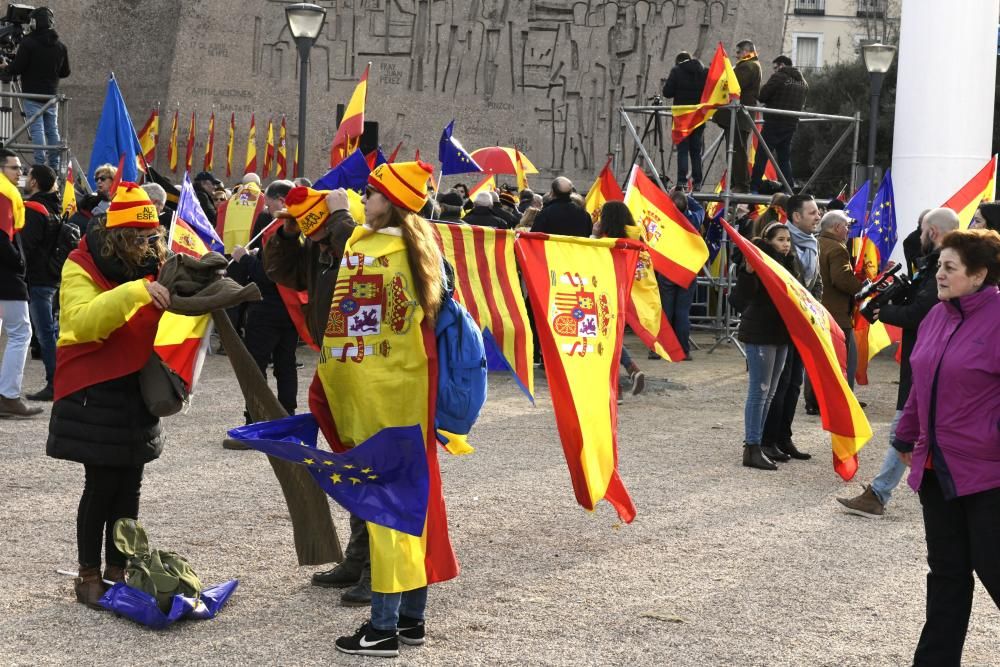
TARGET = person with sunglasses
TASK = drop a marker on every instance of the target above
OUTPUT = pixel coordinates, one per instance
(96, 203)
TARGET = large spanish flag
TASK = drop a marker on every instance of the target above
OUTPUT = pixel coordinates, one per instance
(236, 215)
(352, 125)
(251, 161)
(680, 250)
(149, 134)
(981, 188)
(820, 343)
(721, 87)
(172, 143)
(486, 283)
(578, 288)
(604, 189)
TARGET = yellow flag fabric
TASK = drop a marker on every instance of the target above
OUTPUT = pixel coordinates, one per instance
(236, 216)
(69, 194)
(982, 187)
(250, 166)
(721, 87)
(11, 208)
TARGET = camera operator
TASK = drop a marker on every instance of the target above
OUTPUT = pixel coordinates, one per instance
(906, 313)
(41, 60)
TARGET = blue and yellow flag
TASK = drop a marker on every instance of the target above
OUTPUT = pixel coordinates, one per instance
(384, 480)
(453, 157)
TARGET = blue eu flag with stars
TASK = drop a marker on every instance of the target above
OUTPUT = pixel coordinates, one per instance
(351, 174)
(881, 226)
(453, 158)
(384, 480)
(855, 208)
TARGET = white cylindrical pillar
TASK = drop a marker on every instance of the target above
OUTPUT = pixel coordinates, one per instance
(944, 103)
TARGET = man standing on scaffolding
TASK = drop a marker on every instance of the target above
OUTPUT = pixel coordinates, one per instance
(748, 73)
(41, 60)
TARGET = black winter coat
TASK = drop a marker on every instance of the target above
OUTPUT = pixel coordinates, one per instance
(37, 240)
(686, 82)
(105, 424)
(907, 314)
(41, 60)
(484, 217)
(12, 269)
(786, 89)
(562, 216)
(761, 324)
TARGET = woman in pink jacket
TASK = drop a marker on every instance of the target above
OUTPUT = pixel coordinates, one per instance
(949, 435)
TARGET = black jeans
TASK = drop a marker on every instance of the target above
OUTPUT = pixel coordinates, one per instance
(357, 553)
(963, 536)
(270, 341)
(691, 147)
(109, 494)
(778, 424)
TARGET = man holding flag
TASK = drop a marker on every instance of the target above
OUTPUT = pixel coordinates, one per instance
(749, 75)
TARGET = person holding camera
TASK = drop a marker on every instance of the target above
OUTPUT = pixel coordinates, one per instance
(905, 312)
(41, 60)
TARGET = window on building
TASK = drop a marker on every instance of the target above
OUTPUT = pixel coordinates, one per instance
(806, 51)
(872, 8)
(817, 7)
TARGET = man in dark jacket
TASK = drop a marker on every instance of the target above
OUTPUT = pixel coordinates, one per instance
(13, 309)
(685, 85)
(748, 73)
(482, 213)
(906, 312)
(560, 215)
(451, 206)
(786, 89)
(38, 240)
(41, 60)
(204, 187)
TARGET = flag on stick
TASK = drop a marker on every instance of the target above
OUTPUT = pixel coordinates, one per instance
(172, 143)
(189, 155)
(69, 194)
(229, 144)
(268, 149)
(149, 135)
(981, 188)
(11, 208)
(604, 189)
(352, 126)
(453, 157)
(190, 213)
(115, 137)
(209, 162)
(281, 157)
(251, 161)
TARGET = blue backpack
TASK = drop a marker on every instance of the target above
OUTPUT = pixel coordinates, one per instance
(461, 375)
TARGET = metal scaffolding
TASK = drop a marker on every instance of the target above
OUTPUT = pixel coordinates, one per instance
(14, 124)
(712, 294)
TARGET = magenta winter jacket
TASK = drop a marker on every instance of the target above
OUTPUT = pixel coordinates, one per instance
(953, 412)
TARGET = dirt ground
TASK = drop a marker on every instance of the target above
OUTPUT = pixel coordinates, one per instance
(723, 565)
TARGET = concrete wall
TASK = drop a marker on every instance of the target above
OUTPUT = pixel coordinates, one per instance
(544, 75)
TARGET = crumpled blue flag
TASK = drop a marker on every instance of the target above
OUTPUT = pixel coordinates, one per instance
(855, 208)
(384, 480)
(141, 607)
(115, 137)
(351, 174)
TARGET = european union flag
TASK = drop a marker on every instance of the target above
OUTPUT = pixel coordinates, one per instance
(384, 480)
(351, 174)
(190, 211)
(714, 235)
(881, 226)
(453, 158)
(115, 137)
(855, 208)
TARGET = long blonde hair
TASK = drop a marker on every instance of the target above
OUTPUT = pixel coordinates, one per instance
(121, 242)
(424, 255)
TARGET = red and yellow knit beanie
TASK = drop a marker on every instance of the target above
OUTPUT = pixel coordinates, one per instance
(131, 207)
(403, 183)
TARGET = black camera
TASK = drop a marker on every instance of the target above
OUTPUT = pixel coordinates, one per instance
(886, 287)
(12, 28)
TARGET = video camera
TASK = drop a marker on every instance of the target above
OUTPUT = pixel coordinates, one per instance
(886, 286)
(12, 28)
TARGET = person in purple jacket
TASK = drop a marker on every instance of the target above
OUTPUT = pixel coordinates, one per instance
(949, 435)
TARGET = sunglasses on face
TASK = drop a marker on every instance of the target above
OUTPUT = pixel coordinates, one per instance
(103, 178)
(147, 240)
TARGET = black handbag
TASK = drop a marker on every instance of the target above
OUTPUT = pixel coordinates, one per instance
(163, 391)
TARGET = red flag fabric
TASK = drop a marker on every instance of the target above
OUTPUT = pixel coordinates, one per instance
(395, 152)
(352, 125)
(294, 300)
(189, 156)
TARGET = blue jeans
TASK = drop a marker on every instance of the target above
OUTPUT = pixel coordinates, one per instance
(386, 607)
(893, 468)
(44, 130)
(692, 146)
(765, 363)
(676, 303)
(14, 322)
(626, 357)
(46, 327)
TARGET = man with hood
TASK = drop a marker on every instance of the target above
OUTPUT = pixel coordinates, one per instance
(786, 89)
(41, 60)
(684, 85)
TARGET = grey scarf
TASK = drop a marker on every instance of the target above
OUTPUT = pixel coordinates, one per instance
(807, 249)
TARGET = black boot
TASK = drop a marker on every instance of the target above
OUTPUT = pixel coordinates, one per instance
(775, 454)
(754, 458)
(790, 449)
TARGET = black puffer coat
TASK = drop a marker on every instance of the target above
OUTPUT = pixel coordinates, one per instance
(786, 89)
(686, 82)
(761, 324)
(105, 424)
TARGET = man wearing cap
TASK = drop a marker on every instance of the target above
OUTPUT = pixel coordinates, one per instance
(204, 187)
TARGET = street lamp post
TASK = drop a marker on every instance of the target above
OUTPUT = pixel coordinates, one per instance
(878, 58)
(305, 21)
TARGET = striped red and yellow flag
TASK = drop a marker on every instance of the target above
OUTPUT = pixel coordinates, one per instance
(981, 188)
(69, 194)
(721, 87)
(185, 240)
(577, 288)
(820, 342)
(281, 154)
(769, 171)
(680, 250)
(209, 161)
(182, 342)
(604, 189)
(352, 125)
(645, 309)
(872, 339)
(488, 184)
(251, 161)
(268, 149)
(149, 135)
(229, 144)
(486, 283)
(189, 155)
(172, 144)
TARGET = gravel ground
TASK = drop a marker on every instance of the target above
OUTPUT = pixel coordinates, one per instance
(723, 565)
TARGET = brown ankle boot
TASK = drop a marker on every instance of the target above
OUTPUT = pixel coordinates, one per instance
(89, 587)
(115, 574)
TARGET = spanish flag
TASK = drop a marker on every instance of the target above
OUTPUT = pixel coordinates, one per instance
(645, 309)
(11, 208)
(251, 161)
(577, 289)
(820, 343)
(352, 126)
(181, 343)
(184, 240)
(210, 144)
(69, 194)
(295, 162)
(268, 149)
(229, 144)
(281, 168)
(149, 135)
(769, 172)
(487, 284)
(721, 87)
(189, 155)
(981, 188)
(236, 215)
(604, 189)
(172, 144)
(680, 250)
(488, 184)
(522, 176)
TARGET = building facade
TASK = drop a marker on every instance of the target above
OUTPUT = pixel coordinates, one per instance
(826, 32)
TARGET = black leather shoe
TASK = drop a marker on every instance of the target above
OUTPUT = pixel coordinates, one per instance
(43, 394)
(754, 458)
(358, 596)
(812, 410)
(775, 454)
(342, 576)
(790, 449)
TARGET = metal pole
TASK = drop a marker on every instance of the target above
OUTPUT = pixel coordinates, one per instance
(877, 78)
(854, 151)
(826, 160)
(767, 151)
(304, 45)
(642, 149)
